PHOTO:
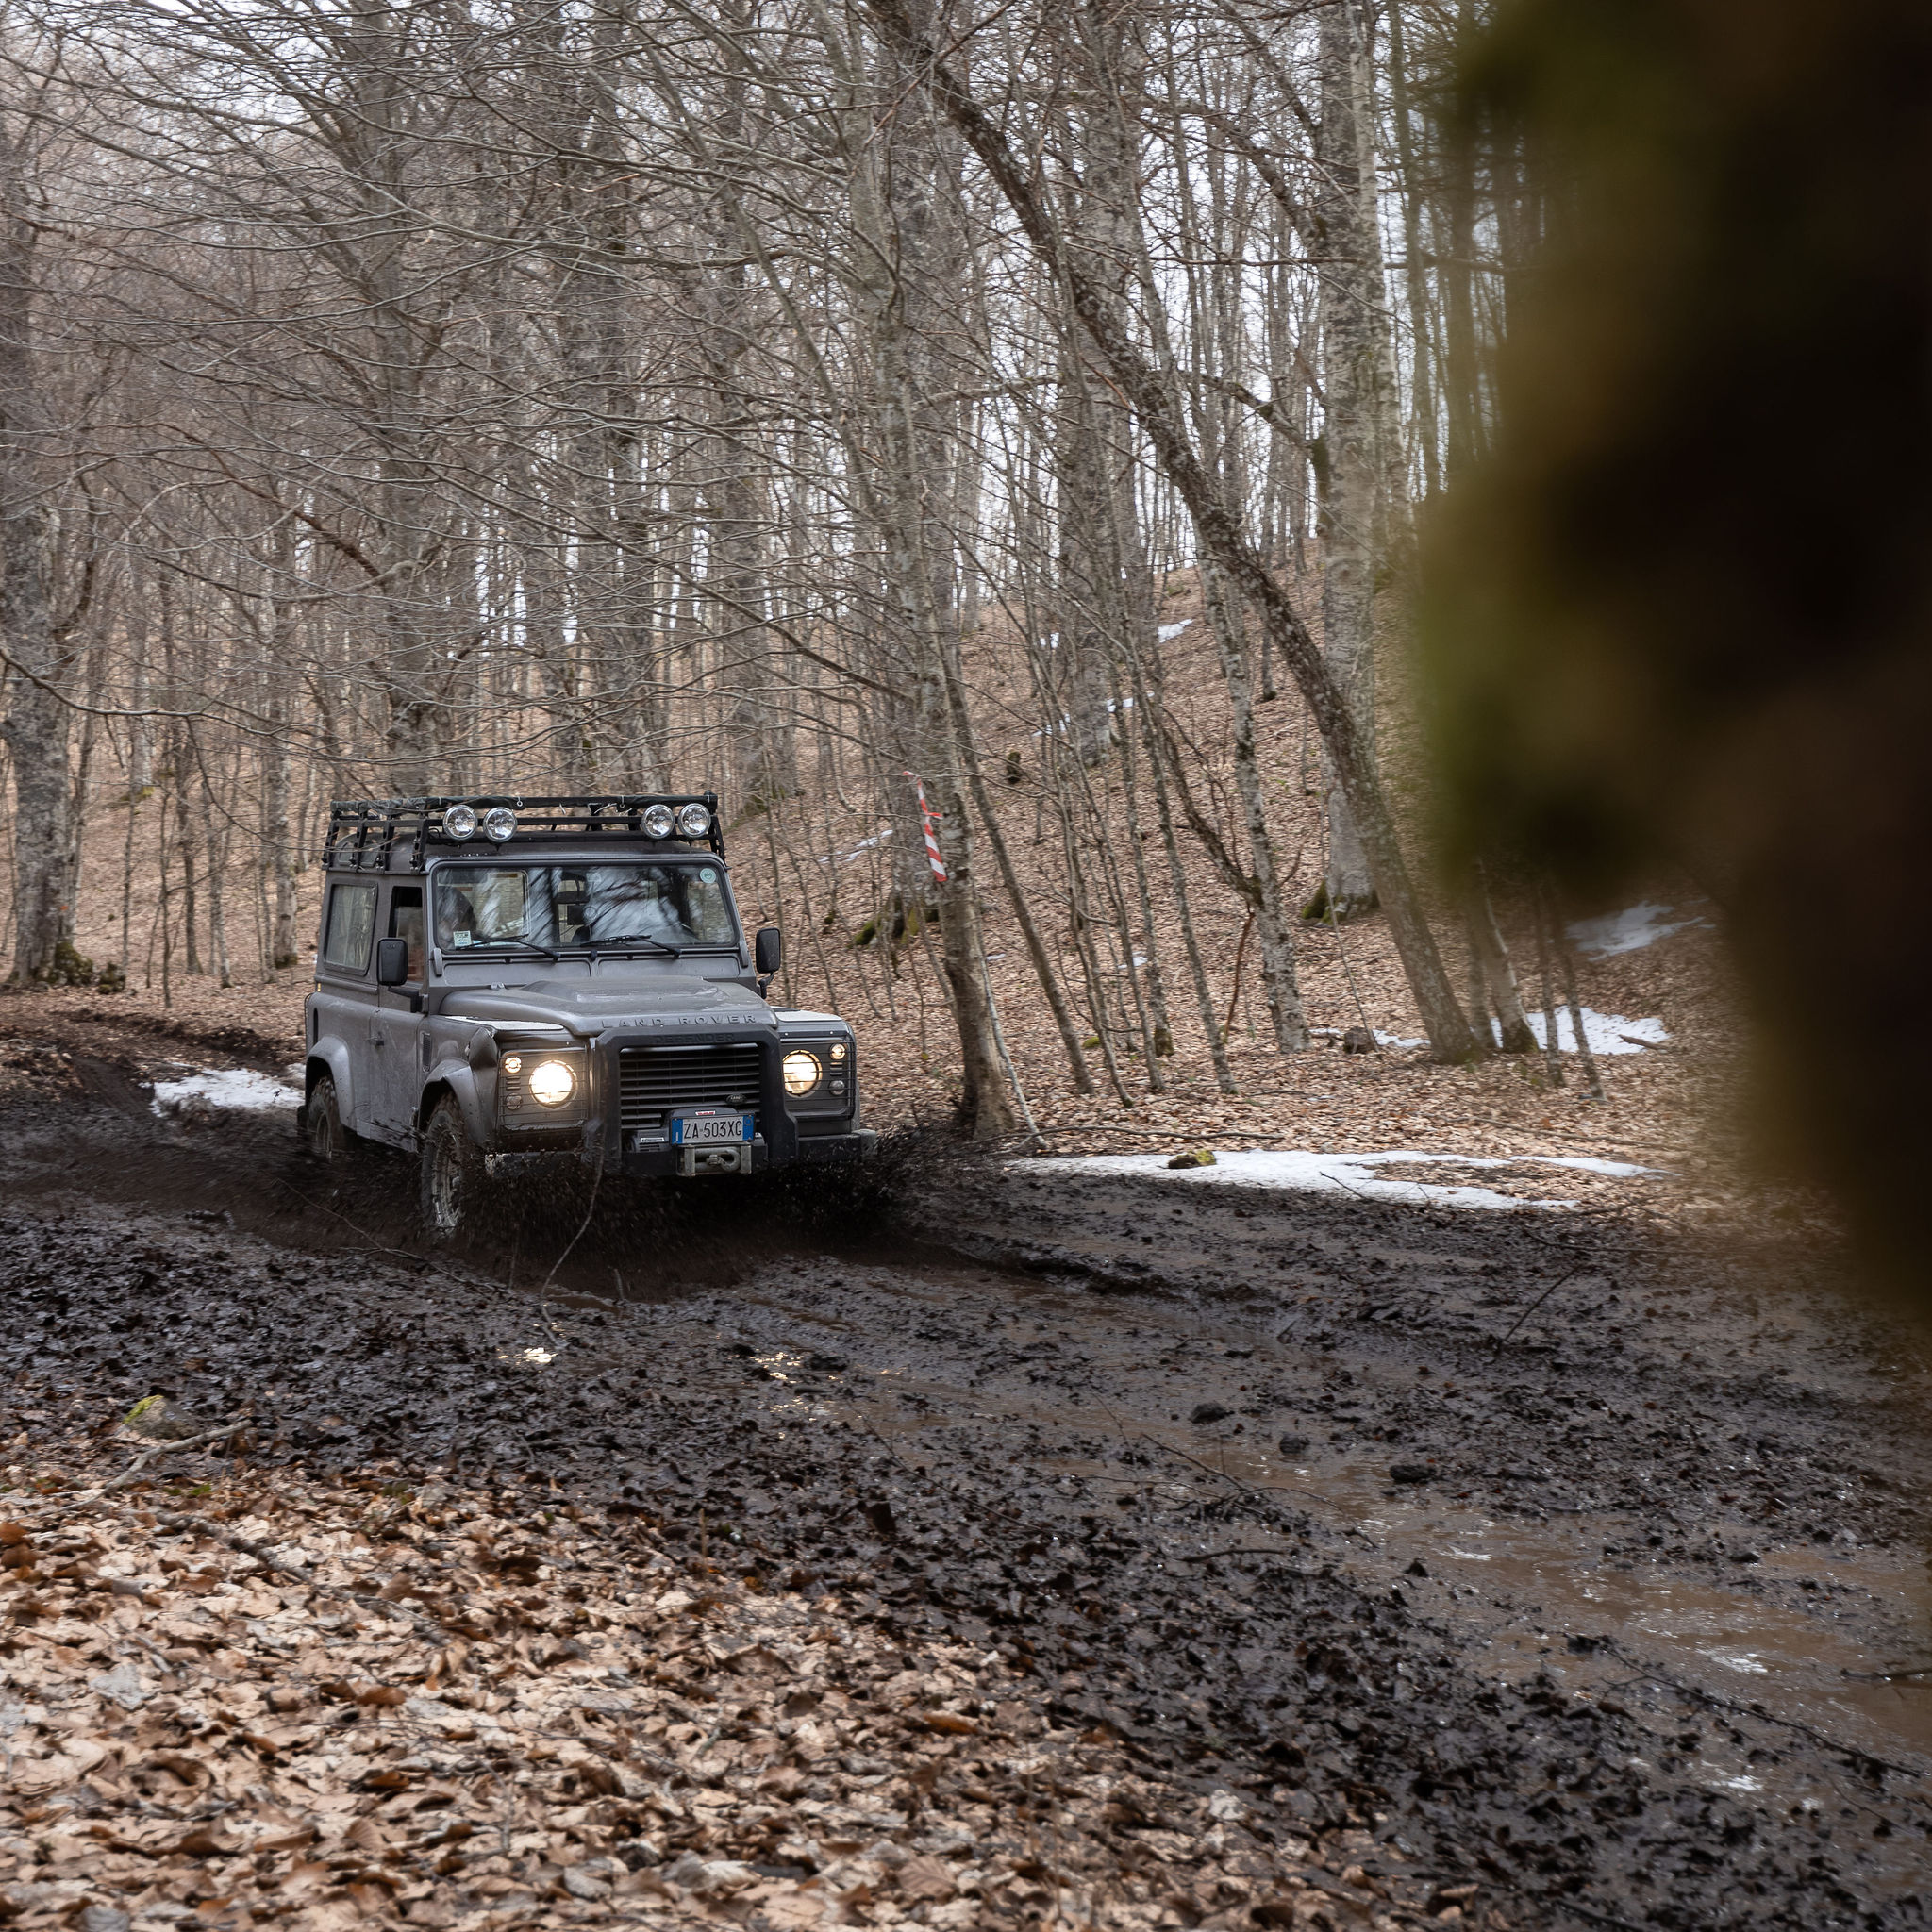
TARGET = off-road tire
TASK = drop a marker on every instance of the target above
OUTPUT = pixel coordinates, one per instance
(451, 1173)
(323, 1132)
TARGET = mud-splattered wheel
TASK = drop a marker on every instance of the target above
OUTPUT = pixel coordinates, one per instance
(327, 1139)
(451, 1173)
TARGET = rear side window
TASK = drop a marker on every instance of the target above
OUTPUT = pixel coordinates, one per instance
(351, 927)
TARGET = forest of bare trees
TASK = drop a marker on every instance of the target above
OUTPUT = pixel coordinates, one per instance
(840, 405)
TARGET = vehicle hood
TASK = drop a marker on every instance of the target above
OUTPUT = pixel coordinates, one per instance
(595, 1006)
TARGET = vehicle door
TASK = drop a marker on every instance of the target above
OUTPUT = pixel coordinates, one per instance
(398, 1022)
(345, 992)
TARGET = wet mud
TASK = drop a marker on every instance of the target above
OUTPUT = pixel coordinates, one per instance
(1586, 1570)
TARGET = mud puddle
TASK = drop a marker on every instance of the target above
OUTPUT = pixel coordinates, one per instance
(1805, 1635)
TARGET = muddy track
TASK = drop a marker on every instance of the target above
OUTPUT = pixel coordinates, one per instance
(1535, 1555)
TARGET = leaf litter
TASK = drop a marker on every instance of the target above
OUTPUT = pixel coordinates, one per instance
(531, 1715)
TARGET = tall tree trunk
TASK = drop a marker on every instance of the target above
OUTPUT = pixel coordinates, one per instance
(1463, 374)
(758, 717)
(1499, 977)
(38, 727)
(1414, 275)
(1358, 392)
(1281, 990)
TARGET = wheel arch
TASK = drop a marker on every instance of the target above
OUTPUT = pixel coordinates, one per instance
(328, 1056)
(454, 1082)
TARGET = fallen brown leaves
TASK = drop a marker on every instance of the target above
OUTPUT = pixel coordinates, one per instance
(235, 1717)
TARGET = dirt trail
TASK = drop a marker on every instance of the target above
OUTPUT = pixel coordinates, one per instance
(1532, 1554)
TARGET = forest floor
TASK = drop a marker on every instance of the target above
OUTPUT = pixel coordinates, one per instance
(979, 1543)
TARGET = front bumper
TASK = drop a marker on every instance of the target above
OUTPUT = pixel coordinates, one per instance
(658, 1162)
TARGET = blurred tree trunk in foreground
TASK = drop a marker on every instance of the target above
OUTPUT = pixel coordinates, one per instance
(1663, 622)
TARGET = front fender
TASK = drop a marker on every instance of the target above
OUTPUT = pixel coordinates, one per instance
(452, 1074)
(330, 1056)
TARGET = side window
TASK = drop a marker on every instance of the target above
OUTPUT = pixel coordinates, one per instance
(405, 922)
(351, 927)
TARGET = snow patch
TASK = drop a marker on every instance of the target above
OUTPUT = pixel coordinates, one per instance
(1628, 931)
(1346, 1174)
(233, 1088)
(1606, 1032)
(1170, 631)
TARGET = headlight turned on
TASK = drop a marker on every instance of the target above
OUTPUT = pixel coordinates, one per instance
(802, 1072)
(551, 1083)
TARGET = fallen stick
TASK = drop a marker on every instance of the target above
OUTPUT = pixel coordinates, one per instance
(381, 1606)
(147, 1455)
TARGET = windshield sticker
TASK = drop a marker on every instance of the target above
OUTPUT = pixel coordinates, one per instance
(708, 876)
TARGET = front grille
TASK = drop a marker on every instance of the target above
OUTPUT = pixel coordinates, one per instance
(653, 1081)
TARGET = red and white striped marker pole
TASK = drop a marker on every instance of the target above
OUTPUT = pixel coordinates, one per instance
(932, 841)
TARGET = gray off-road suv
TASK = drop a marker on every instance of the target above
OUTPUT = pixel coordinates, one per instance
(503, 982)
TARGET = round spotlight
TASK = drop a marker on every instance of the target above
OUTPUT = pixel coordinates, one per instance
(514, 1063)
(499, 822)
(658, 822)
(838, 1049)
(693, 822)
(551, 1083)
(459, 820)
(801, 1072)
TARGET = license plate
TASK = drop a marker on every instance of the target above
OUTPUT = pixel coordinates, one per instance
(697, 1129)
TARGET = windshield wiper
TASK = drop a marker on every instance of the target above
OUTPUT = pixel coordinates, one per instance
(527, 946)
(630, 938)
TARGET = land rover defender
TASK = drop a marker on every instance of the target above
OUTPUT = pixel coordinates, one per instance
(504, 982)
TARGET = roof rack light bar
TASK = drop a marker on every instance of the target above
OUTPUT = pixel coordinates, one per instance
(363, 833)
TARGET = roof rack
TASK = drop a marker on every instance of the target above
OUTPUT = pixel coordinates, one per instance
(366, 833)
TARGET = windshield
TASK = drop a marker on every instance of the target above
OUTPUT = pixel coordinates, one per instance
(672, 905)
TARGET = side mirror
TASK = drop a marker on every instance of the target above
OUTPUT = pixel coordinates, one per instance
(768, 951)
(392, 963)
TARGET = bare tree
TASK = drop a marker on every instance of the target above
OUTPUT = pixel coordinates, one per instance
(36, 730)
